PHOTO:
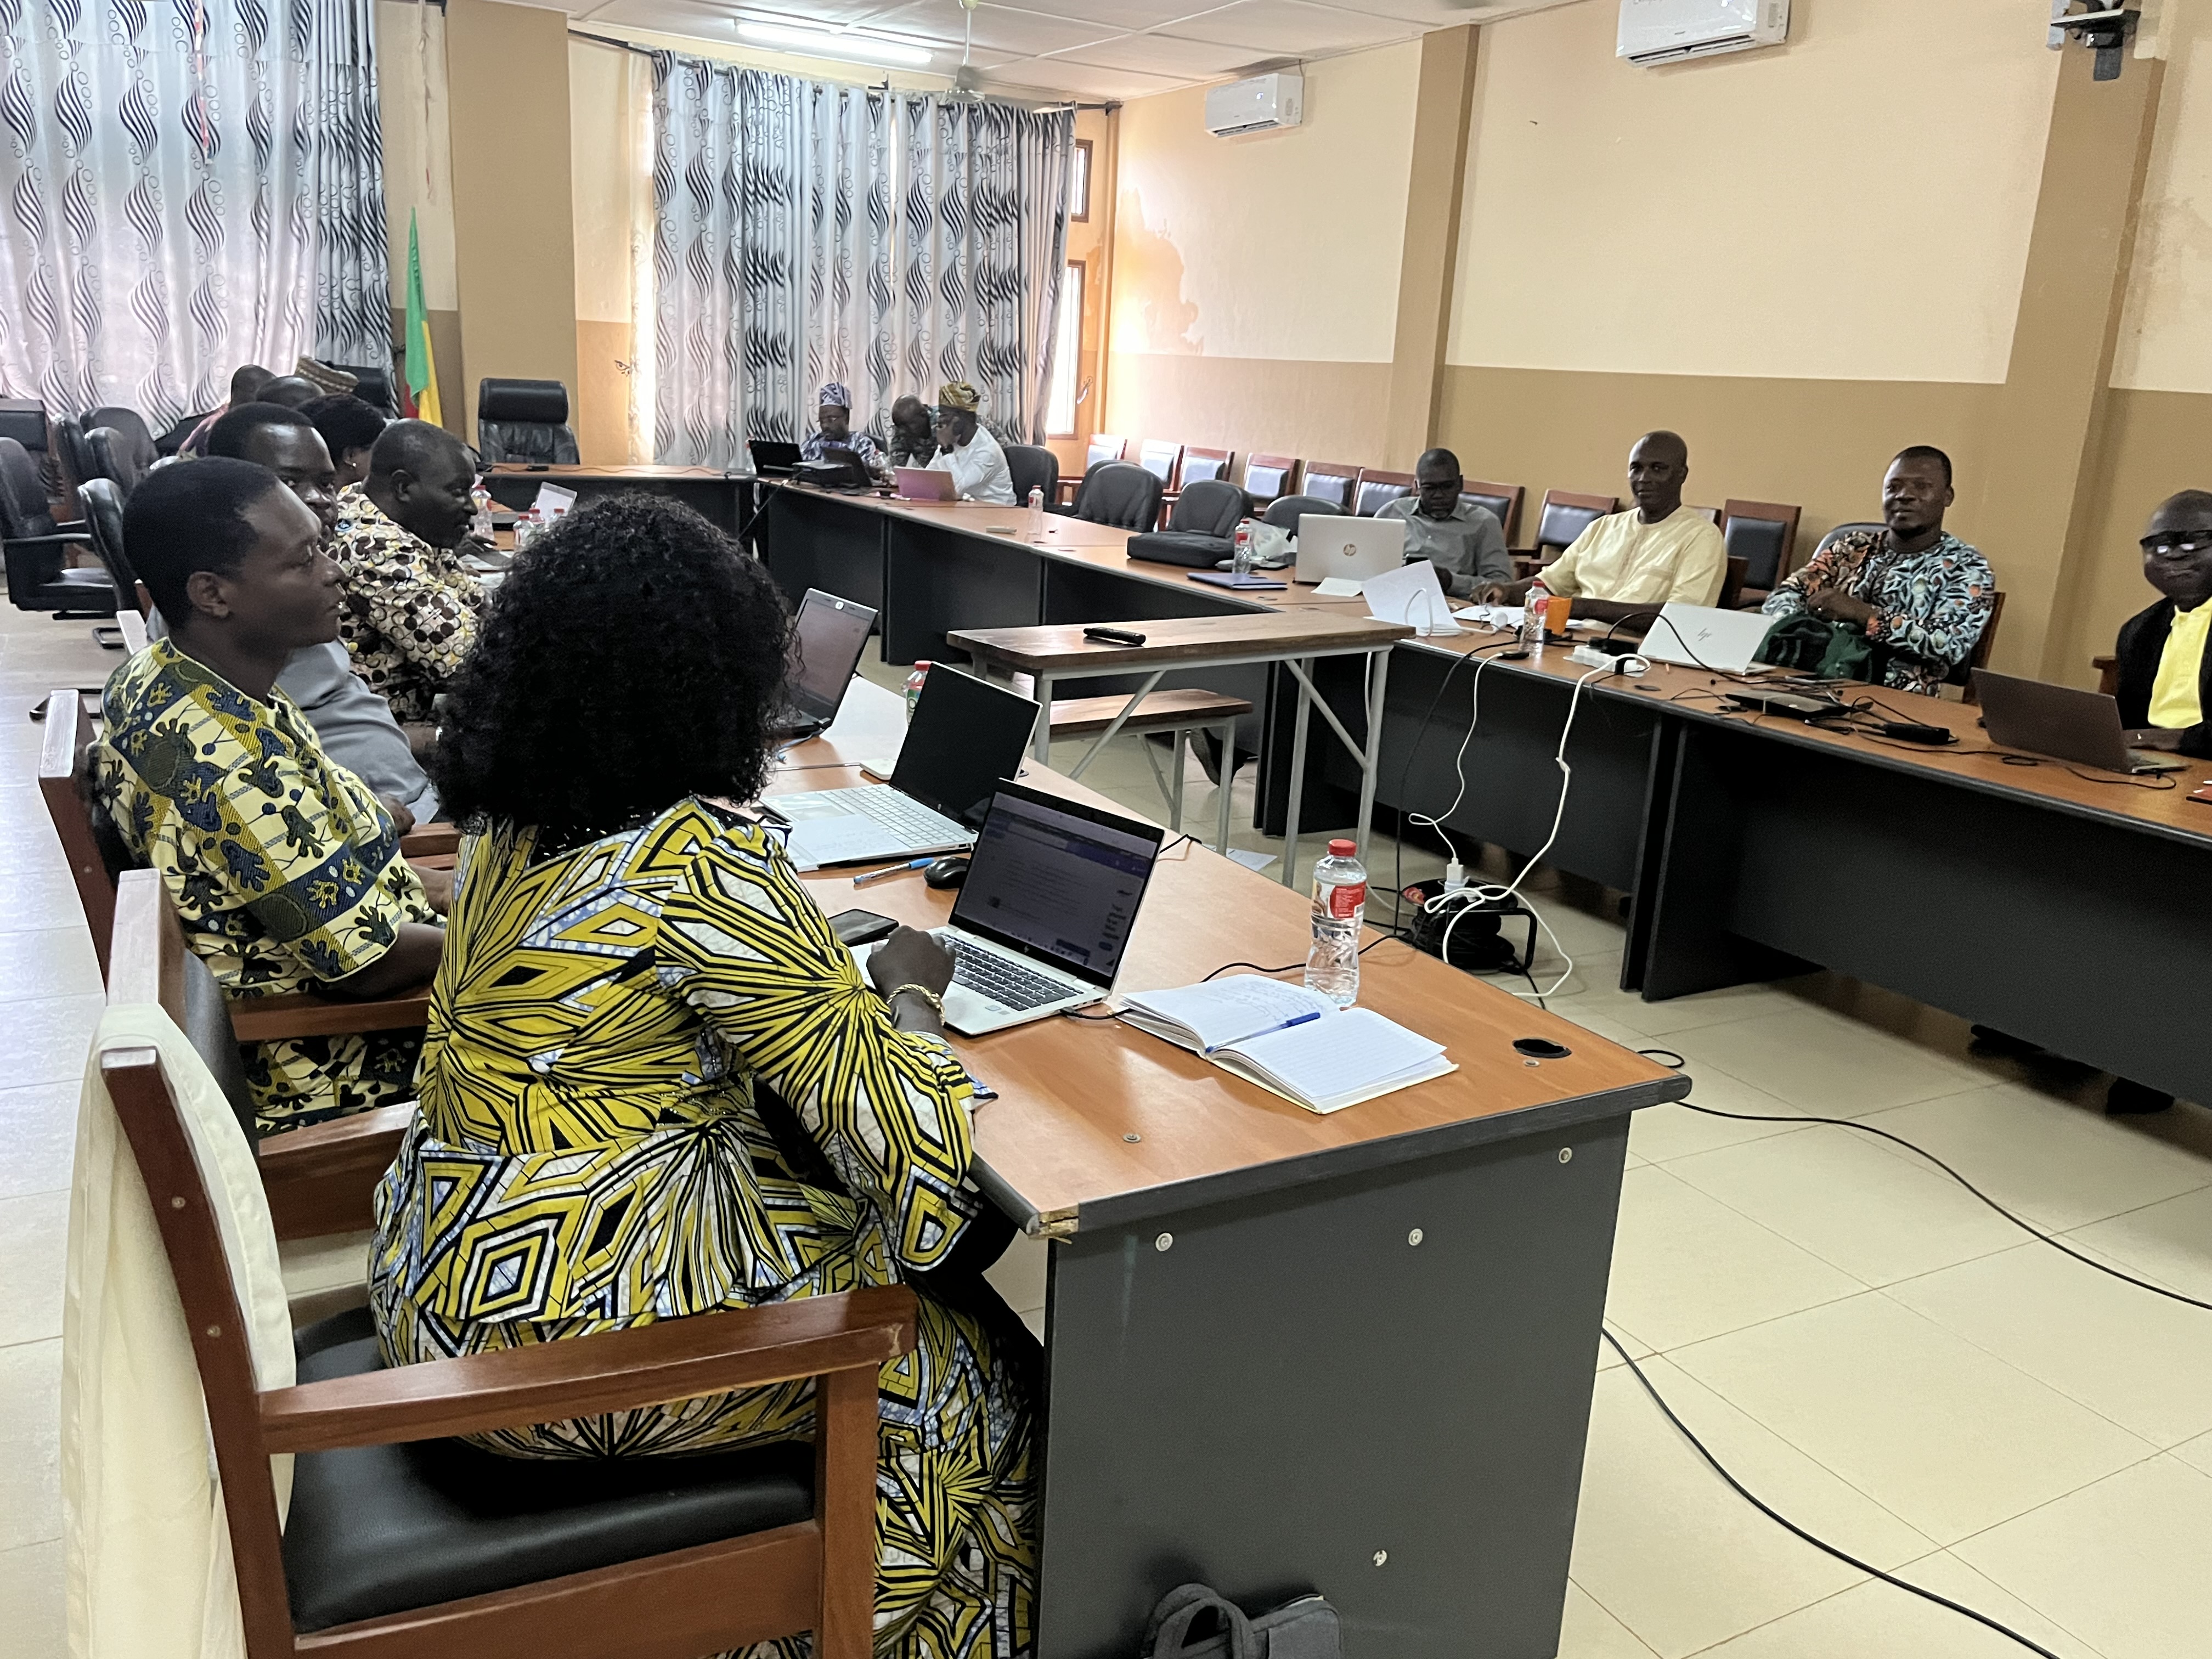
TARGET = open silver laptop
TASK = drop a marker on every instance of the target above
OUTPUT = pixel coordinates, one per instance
(1335, 544)
(964, 737)
(1045, 915)
(1702, 636)
(827, 641)
(2063, 722)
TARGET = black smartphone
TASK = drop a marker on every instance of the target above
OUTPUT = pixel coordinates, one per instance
(860, 928)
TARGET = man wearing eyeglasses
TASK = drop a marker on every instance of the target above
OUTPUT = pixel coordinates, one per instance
(2166, 677)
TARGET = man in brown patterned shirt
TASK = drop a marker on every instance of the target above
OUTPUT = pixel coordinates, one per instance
(412, 608)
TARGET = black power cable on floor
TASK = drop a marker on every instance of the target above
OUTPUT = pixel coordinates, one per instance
(1784, 1521)
(1670, 1057)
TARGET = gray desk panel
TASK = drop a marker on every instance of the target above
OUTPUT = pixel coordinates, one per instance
(1292, 1387)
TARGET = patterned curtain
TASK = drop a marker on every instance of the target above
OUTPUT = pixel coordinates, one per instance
(798, 241)
(189, 186)
(772, 267)
(982, 243)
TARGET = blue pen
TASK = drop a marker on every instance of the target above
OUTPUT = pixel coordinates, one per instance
(1301, 1020)
(896, 869)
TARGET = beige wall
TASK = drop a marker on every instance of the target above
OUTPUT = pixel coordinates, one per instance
(418, 177)
(1854, 205)
(610, 101)
(1255, 279)
(2165, 332)
(514, 245)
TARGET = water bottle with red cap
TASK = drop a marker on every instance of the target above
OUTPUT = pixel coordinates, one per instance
(1339, 905)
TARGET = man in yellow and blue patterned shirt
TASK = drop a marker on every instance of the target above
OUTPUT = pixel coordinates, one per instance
(283, 867)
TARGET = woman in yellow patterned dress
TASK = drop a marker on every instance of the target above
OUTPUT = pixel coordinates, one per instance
(654, 1084)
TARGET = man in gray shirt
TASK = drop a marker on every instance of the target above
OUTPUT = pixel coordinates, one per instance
(1463, 541)
(353, 724)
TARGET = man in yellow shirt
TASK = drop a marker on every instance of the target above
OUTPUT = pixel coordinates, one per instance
(1626, 565)
(2164, 687)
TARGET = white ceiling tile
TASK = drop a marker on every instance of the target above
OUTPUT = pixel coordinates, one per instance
(1116, 15)
(997, 29)
(1289, 28)
(1082, 80)
(1449, 14)
(1185, 60)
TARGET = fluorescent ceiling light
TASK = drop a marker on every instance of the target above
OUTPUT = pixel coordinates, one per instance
(833, 43)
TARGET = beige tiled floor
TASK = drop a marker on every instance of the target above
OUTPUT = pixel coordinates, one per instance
(1868, 1349)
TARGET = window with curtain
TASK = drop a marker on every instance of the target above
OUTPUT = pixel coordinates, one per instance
(810, 232)
(189, 188)
(1066, 355)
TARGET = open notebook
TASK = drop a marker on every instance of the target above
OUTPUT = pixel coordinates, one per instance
(1290, 1041)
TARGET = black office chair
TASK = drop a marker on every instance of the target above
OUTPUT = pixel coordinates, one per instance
(525, 421)
(40, 577)
(1566, 516)
(1284, 511)
(373, 385)
(1118, 494)
(73, 457)
(114, 460)
(131, 426)
(102, 500)
(1034, 467)
(1212, 507)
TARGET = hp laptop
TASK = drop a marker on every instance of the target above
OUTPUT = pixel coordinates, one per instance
(1045, 915)
(772, 460)
(922, 483)
(1334, 544)
(828, 640)
(1699, 636)
(2062, 723)
(964, 737)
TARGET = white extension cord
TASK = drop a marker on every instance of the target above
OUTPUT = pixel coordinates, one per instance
(1469, 896)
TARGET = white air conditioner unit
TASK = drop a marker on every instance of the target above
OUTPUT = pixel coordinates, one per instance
(1258, 105)
(1667, 31)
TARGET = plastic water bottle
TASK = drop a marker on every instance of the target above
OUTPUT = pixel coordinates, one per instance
(1340, 903)
(480, 525)
(1036, 514)
(1537, 601)
(914, 683)
(1240, 562)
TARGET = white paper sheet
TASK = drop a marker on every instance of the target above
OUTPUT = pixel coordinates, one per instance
(553, 501)
(1413, 595)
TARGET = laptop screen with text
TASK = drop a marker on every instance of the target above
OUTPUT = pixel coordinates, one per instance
(1058, 881)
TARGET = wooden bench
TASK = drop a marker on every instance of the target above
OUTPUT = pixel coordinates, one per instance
(1177, 714)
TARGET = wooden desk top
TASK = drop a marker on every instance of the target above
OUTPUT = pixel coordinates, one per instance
(1061, 649)
(642, 472)
(1057, 1144)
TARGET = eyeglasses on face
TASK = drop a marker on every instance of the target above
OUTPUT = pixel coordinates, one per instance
(2171, 542)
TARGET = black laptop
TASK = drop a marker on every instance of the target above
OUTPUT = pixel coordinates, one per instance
(772, 460)
(828, 638)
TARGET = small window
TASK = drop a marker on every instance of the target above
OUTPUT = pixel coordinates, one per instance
(1078, 182)
(1066, 356)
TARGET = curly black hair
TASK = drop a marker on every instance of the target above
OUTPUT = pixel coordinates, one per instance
(634, 655)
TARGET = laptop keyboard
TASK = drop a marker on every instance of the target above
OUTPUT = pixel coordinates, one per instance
(1006, 983)
(903, 816)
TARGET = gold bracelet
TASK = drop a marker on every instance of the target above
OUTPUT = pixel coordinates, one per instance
(927, 995)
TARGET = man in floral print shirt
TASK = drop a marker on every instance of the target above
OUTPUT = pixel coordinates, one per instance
(412, 608)
(1921, 596)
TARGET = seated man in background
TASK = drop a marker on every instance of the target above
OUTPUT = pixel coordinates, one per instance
(245, 383)
(1920, 594)
(349, 429)
(914, 434)
(2165, 672)
(284, 868)
(1626, 565)
(412, 608)
(834, 431)
(293, 390)
(1463, 541)
(354, 725)
(968, 451)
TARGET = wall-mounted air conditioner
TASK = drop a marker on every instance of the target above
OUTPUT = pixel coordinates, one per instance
(1258, 104)
(1666, 31)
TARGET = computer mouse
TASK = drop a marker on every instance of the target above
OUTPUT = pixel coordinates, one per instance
(945, 872)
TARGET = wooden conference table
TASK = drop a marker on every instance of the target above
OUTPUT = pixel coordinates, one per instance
(1352, 1352)
(2072, 911)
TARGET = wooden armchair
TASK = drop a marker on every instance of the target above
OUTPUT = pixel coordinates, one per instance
(401, 1542)
(1330, 481)
(1377, 489)
(1267, 476)
(1503, 502)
